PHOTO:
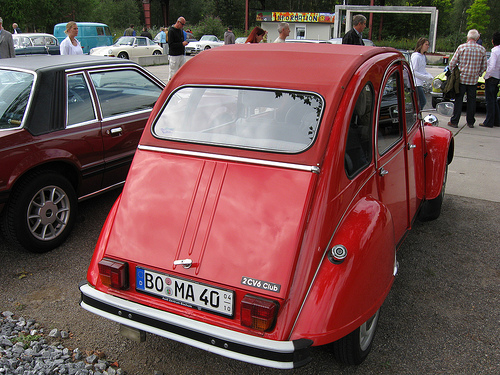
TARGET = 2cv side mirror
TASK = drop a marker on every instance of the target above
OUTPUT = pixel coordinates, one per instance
(444, 108)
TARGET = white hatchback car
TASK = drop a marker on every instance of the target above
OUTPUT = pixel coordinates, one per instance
(129, 46)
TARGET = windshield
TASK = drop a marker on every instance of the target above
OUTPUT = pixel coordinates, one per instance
(269, 120)
(125, 41)
(209, 38)
(15, 88)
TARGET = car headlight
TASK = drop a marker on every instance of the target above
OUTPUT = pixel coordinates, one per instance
(437, 84)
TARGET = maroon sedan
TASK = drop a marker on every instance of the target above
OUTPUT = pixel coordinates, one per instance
(69, 128)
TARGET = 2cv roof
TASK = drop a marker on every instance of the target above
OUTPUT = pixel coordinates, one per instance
(323, 69)
(319, 68)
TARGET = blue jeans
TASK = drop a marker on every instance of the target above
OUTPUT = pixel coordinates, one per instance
(421, 97)
(492, 108)
(471, 104)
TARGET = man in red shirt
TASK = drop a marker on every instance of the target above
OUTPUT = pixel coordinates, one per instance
(470, 58)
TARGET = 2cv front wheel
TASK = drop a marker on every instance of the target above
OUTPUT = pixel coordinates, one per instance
(354, 348)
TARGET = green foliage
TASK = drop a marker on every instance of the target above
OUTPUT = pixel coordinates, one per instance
(26, 340)
(119, 14)
(478, 16)
(209, 25)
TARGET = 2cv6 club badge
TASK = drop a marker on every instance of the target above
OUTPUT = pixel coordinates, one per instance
(274, 199)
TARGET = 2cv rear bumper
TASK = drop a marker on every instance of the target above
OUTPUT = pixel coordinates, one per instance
(231, 344)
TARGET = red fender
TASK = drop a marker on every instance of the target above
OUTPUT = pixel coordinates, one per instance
(344, 296)
(439, 146)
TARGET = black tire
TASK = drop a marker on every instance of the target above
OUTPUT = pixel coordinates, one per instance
(155, 53)
(122, 55)
(431, 209)
(434, 102)
(207, 47)
(354, 348)
(41, 212)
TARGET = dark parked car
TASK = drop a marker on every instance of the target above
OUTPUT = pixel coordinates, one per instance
(36, 44)
(69, 128)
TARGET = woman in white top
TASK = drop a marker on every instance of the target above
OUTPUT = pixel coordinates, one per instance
(70, 45)
(418, 64)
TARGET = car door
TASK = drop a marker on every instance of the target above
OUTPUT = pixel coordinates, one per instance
(125, 98)
(392, 182)
(414, 146)
(141, 47)
(82, 133)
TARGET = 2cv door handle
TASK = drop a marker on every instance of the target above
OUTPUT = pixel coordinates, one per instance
(382, 172)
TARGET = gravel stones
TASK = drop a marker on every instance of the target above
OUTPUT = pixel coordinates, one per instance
(24, 350)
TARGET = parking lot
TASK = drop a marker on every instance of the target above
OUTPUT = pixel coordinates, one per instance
(441, 315)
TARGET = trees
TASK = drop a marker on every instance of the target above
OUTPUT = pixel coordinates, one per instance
(478, 16)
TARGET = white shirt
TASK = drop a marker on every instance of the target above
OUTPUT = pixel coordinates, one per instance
(493, 69)
(67, 48)
(418, 64)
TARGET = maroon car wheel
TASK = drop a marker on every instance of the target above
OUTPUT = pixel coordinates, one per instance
(41, 212)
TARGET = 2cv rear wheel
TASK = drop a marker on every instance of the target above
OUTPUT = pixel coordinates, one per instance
(354, 348)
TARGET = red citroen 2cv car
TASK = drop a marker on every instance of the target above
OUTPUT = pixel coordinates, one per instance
(266, 202)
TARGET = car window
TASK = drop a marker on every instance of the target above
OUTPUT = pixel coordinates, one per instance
(38, 41)
(358, 152)
(15, 89)
(410, 107)
(124, 91)
(389, 123)
(141, 41)
(269, 120)
(80, 107)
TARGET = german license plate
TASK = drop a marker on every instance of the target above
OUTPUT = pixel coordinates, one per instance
(185, 292)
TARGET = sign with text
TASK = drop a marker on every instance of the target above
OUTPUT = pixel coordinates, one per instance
(296, 17)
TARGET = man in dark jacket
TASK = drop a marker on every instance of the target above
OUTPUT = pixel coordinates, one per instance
(176, 44)
(355, 35)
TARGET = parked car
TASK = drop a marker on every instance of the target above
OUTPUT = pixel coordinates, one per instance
(69, 127)
(35, 44)
(439, 83)
(205, 42)
(275, 206)
(367, 42)
(90, 34)
(240, 40)
(129, 46)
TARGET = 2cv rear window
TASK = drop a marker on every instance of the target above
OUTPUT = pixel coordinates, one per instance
(268, 120)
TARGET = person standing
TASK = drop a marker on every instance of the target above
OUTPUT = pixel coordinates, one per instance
(163, 36)
(176, 47)
(129, 31)
(6, 43)
(418, 64)
(355, 35)
(256, 35)
(470, 58)
(16, 29)
(229, 36)
(283, 31)
(70, 45)
(146, 33)
(492, 78)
